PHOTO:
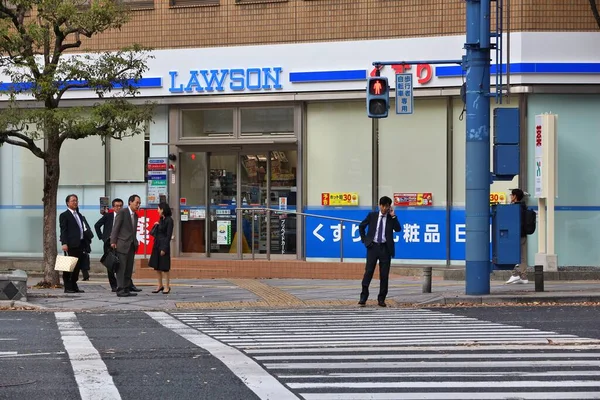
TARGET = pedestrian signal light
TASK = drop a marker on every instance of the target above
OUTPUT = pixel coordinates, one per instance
(378, 97)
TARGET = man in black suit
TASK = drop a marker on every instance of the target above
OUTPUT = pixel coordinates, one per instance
(123, 238)
(72, 228)
(104, 228)
(379, 241)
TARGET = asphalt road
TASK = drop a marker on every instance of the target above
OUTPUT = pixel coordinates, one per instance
(329, 354)
(572, 319)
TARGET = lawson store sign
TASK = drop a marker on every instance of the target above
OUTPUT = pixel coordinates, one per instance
(424, 236)
(345, 66)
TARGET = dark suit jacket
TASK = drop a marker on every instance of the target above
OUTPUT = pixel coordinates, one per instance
(69, 229)
(124, 232)
(104, 226)
(391, 225)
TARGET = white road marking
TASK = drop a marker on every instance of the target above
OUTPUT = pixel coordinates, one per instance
(91, 374)
(263, 384)
(452, 396)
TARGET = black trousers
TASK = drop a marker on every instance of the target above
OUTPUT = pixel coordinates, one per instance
(377, 252)
(112, 279)
(70, 278)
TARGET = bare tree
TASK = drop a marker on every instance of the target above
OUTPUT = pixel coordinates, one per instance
(34, 37)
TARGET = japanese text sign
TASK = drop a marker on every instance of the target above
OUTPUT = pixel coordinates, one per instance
(413, 199)
(339, 199)
(497, 198)
(146, 220)
(404, 94)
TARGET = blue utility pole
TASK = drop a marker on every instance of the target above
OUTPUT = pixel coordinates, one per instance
(477, 66)
(476, 62)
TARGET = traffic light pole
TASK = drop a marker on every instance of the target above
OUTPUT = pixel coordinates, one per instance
(477, 174)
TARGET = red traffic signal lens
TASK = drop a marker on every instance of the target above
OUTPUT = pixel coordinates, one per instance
(377, 86)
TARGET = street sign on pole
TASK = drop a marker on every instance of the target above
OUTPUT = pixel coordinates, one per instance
(404, 94)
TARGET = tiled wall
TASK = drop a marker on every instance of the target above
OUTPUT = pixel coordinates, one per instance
(231, 22)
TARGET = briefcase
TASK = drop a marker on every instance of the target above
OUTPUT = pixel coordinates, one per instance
(111, 261)
(65, 263)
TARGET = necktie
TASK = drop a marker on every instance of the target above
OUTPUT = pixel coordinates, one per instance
(80, 225)
(380, 230)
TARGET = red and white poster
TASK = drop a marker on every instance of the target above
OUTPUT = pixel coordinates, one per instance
(146, 219)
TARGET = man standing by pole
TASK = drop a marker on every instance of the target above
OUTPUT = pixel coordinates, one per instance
(379, 241)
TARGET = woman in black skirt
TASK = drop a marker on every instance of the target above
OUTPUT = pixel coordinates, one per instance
(160, 259)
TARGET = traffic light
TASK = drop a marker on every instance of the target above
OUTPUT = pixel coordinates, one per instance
(378, 97)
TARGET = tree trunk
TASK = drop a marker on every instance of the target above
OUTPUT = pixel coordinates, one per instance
(595, 12)
(52, 164)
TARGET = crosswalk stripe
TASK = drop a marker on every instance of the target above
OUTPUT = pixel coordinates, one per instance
(521, 395)
(91, 374)
(250, 373)
(441, 364)
(437, 374)
(437, 385)
(384, 347)
(425, 356)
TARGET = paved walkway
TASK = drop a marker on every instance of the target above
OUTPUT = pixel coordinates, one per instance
(299, 293)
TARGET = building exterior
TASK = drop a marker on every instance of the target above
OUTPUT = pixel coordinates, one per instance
(262, 104)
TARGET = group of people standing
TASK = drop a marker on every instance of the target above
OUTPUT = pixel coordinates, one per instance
(118, 231)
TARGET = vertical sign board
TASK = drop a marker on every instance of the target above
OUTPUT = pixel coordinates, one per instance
(404, 94)
(546, 156)
(157, 179)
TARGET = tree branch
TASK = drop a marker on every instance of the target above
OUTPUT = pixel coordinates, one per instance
(595, 12)
(26, 142)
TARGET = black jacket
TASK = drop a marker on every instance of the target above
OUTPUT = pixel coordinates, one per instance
(162, 234)
(69, 231)
(391, 225)
(104, 226)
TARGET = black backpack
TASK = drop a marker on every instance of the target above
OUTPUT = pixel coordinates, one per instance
(530, 220)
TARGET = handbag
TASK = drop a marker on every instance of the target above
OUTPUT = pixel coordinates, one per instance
(111, 261)
(65, 263)
(85, 262)
(154, 231)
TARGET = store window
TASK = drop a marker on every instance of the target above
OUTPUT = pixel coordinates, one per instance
(207, 123)
(267, 121)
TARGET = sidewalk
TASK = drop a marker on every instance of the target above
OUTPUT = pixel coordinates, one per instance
(298, 293)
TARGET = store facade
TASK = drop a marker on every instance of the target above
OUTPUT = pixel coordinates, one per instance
(284, 127)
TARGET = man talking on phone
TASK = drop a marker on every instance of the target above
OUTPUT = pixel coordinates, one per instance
(379, 241)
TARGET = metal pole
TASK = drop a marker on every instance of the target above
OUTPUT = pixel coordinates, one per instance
(427, 279)
(477, 65)
(341, 240)
(375, 161)
(268, 234)
(539, 278)
(252, 234)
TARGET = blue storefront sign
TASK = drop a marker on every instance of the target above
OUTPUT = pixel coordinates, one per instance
(424, 234)
(226, 79)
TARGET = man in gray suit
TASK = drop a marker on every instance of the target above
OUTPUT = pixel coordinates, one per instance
(123, 238)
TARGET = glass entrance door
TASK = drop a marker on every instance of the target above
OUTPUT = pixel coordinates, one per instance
(244, 185)
(223, 197)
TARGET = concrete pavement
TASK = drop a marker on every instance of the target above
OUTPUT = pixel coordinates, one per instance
(297, 293)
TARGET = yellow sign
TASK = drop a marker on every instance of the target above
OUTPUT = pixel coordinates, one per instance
(339, 199)
(497, 198)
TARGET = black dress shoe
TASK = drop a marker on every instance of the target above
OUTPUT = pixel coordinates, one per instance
(362, 303)
(80, 291)
(123, 294)
(113, 289)
(70, 291)
(132, 294)
(134, 289)
(381, 304)
(85, 279)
